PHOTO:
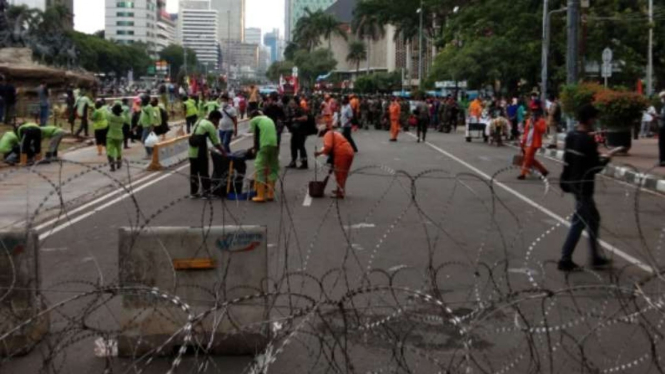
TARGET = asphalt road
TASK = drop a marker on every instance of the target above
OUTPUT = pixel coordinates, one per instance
(439, 260)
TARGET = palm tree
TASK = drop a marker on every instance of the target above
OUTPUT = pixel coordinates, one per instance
(357, 53)
(328, 26)
(307, 33)
(367, 25)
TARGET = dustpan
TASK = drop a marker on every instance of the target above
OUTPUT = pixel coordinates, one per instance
(317, 189)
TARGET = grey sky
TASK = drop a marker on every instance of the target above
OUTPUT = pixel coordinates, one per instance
(265, 14)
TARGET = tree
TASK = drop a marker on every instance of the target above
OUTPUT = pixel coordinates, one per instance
(367, 26)
(52, 19)
(100, 34)
(314, 64)
(279, 69)
(307, 33)
(175, 56)
(357, 53)
(329, 26)
(379, 82)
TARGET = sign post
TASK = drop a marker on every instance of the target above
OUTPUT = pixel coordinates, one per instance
(607, 64)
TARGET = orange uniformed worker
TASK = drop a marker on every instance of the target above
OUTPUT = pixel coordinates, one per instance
(532, 140)
(336, 145)
(355, 105)
(327, 111)
(475, 110)
(395, 112)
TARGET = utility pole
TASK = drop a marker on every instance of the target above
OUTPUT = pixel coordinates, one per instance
(650, 58)
(420, 47)
(573, 26)
(546, 47)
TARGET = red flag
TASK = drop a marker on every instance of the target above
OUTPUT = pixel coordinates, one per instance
(640, 88)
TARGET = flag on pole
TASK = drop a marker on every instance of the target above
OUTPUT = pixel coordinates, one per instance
(640, 87)
(282, 82)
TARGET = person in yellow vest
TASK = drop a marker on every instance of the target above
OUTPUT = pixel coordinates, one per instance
(55, 134)
(9, 147)
(191, 113)
(100, 125)
(146, 121)
(267, 155)
(115, 136)
(31, 142)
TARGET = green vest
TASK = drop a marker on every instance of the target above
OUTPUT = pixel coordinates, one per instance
(190, 108)
(99, 121)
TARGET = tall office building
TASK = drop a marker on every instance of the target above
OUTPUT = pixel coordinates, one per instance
(166, 26)
(198, 25)
(272, 41)
(231, 16)
(253, 35)
(295, 9)
(44, 4)
(133, 21)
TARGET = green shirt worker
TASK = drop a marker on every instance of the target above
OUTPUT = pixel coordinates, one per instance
(55, 134)
(115, 136)
(146, 121)
(191, 112)
(199, 165)
(100, 124)
(267, 155)
(9, 147)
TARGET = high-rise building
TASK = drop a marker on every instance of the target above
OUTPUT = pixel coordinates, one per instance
(133, 21)
(295, 9)
(44, 4)
(166, 27)
(198, 24)
(253, 35)
(272, 41)
(231, 16)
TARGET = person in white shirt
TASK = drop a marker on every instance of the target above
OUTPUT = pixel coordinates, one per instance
(647, 119)
(346, 119)
(228, 126)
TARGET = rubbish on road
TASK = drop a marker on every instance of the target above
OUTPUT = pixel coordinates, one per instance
(106, 348)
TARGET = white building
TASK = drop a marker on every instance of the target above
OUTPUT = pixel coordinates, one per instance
(199, 27)
(253, 35)
(166, 27)
(132, 21)
(231, 16)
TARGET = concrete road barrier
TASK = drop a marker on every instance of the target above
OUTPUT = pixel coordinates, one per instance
(170, 152)
(187, 272)
(20, 302)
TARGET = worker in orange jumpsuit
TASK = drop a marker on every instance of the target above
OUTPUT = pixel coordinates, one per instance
(303, 105)
(355, 105)
(327, 111)
(395, 112)
(475, 110)
(532, 141)
(341, 152)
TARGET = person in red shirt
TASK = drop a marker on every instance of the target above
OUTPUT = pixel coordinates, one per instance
(342, 154)
(532, 141)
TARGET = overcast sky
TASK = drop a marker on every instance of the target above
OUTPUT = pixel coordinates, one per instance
(265, 14)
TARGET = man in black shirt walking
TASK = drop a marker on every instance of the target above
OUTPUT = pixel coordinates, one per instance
(581, 164)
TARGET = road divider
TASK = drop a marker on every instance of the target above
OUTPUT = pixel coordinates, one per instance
(199, 286)
(22, 326)
(172, 152)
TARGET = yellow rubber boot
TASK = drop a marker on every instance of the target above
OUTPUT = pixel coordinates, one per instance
(270, 194)
(99, 150)
(23, 159)
(260, 193)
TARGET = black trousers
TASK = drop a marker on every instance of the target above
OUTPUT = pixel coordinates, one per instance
(422, 128)
(661, 143)
(191, 121)
(125, 134)
(514, 129)
(199, 174)
(84, 127)
(586, 217)
(31, 143)
(346, 131)
(298, 146)
(100, 136)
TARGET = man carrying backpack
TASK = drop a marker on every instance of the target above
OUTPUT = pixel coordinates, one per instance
(581, 164)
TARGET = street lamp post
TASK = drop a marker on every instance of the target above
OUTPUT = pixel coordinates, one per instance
(420, 47)
(650, 58)
(547, 22)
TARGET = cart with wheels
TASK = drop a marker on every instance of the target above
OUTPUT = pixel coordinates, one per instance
(477, 128)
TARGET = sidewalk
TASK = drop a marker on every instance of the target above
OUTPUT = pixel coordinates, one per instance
(81, 176)
(639, 167)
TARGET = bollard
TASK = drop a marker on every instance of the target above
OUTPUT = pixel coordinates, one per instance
(184, 272)
(20, 301)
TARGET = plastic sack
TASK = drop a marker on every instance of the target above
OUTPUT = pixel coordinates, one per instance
(151, 140)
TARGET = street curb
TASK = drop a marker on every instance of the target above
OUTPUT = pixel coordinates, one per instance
(625, 174)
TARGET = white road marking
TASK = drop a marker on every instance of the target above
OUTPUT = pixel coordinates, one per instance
(308, 200)
(526, 271)
(398, 267)
(357, 247)
(114, 201)
(58, 249)
(544, 210)
(358, 226)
